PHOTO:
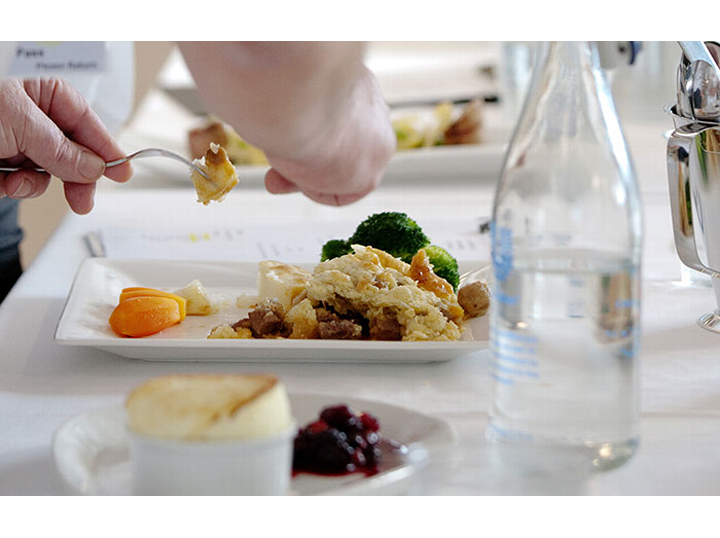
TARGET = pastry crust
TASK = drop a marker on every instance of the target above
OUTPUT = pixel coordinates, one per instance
(381, 289)
(367, 295)
(209, 407)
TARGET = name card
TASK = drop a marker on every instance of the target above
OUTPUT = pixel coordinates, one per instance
(43, 58)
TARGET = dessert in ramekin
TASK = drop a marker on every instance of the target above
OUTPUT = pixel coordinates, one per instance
(210, 435)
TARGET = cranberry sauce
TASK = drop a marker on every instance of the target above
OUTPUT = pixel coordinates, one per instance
(339, 442)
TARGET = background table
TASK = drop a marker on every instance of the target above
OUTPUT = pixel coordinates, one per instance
(42, 384)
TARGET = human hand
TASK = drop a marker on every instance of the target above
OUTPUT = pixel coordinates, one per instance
(48, 124)
(312, 107)
(346, 161)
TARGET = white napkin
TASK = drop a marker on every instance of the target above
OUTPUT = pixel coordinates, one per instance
(301, 243)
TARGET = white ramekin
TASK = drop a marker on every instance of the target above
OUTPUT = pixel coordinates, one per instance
(261, 466)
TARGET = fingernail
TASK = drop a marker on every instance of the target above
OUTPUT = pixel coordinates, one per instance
(91, 166)
(23, 190)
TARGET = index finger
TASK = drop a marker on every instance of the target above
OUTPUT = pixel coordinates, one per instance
(73, 115)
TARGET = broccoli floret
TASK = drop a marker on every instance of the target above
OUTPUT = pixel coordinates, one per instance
(444, 265)
(334, 249)
(400, 236)
(393, 232)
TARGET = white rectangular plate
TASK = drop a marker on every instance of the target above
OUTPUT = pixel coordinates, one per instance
(94, 295)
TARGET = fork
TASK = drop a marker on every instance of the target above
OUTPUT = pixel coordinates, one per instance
(143, 153)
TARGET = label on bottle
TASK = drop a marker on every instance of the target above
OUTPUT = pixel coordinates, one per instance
(502, 251)
(502, 260)
(43, 58)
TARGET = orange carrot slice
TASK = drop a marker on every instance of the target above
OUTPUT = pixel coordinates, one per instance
(143, 316)
(129, 293)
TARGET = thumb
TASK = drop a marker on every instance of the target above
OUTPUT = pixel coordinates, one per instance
(48, 147)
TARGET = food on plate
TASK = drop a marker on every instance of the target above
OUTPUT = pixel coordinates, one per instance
(129, 293)
(335, 248)
(339, 442)
(150, 316)
(445, 125)
(443, 264)
(145, 315)
(221, 175)
(281, 282)
(474, 298)
(400, 236)
(145, 311)
(466, 129)
(209, 407)
(407, 134)
(198, 300)
(393, 232)
(368, 295)
(442, 128)
(228, 332)
(217, 132)
(386, 282)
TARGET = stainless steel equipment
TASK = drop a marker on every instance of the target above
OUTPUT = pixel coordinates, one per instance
(693, 160)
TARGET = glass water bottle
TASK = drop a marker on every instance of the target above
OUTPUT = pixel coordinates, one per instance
(566, 245)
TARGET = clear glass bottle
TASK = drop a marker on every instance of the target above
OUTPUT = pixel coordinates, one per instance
(566, 246)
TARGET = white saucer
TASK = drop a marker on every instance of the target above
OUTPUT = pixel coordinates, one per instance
(92, 456)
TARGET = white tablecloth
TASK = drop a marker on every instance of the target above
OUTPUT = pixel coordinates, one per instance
(43, 384)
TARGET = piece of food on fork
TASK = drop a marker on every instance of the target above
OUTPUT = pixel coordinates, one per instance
(222, 176)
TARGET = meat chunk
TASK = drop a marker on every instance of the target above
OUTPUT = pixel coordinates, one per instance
(340, 329)
(385, 328)
(474, 298)
(242, 324)
(268, 319)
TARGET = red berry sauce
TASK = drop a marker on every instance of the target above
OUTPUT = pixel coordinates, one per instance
(338, 443)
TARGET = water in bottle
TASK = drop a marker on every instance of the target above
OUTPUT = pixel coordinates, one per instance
(566, 238)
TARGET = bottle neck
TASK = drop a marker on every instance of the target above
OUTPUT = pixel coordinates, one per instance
(572, 57)
(568, 163)
(570, 97)
(567, 78)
